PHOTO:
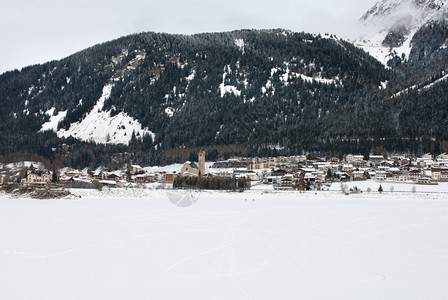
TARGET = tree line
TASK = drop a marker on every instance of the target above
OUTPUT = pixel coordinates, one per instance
(212, 183)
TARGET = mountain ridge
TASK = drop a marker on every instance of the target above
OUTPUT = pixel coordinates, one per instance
(390, 25)
(267, 91)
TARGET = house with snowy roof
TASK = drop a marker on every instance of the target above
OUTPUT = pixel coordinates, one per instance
(358, 175)
(98, 173)
(115, 175)
(145, 177)
(135, 169)
(376, 160)
(442, 156)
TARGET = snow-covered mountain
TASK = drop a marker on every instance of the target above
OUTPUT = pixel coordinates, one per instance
(167, 89)
(390, 25)
(159, 96)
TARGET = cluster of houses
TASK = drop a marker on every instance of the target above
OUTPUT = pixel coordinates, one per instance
(135, 174)
(293, 172)
(29, 174)
(303, 173)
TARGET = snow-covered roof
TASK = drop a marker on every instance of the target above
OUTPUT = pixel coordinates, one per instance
(309, 176)
(98, 171)
(108, 182)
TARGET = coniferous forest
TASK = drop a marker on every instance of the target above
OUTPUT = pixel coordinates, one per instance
(248, 92)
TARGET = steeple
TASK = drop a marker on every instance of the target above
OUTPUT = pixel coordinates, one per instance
(201, 163)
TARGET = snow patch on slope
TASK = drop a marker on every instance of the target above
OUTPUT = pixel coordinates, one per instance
(228, 89)
(287, 75)
(100, 127)
(240, 44)
(374, 46)
(52, 124)
(421, 88)
(169, 112)
(427, 87)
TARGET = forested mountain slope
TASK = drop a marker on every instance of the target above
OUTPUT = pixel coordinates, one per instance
(268, 92)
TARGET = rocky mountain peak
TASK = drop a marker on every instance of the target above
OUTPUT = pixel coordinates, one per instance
(390, 25)
(421, 9)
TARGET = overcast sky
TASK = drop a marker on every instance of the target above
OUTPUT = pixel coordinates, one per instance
(37, 31)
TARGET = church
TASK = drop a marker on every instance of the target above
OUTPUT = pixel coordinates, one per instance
(194, 169)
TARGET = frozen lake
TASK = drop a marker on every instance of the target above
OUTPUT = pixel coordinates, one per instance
(252, 245)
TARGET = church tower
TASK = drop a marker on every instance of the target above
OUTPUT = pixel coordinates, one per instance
(201, 163)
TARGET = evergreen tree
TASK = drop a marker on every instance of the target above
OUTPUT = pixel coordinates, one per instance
(54, 177)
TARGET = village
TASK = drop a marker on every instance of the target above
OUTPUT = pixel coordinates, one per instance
(282, 173)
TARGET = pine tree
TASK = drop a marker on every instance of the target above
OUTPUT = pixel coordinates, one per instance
(54, 177)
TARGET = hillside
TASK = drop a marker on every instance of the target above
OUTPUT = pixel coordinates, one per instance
(391, 27)
(155, 96)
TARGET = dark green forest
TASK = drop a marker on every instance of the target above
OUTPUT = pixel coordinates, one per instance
(248, 92)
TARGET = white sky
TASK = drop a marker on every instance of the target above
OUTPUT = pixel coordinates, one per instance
(36, 31)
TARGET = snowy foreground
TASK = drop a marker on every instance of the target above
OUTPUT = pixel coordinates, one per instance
(253, 245)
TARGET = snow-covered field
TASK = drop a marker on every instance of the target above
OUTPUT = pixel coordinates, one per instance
(259, 244)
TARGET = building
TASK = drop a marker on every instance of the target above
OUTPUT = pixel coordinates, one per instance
(191, 168)
(402, 177)
(356, 160)
(135, 169)
(343, 176)
(358, 175)
(428, 156)
(301, 187)
(416, 174)
(38, 177)
(115, 175)
(442, 156)
(436, 174)
(347, 168)
(169, 177)
(287, 180)
(381, 175)
(145, 178)
(258, 164)
(376, 160)
(439, 174)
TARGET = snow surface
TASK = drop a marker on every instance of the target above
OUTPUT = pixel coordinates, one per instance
(389, 14)
(383, 54)
(52, 124)
(169, 112)
(100, 127)
(240, 44)
(426, 87)
(286, 74)
(228, 89)
(135, 244)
